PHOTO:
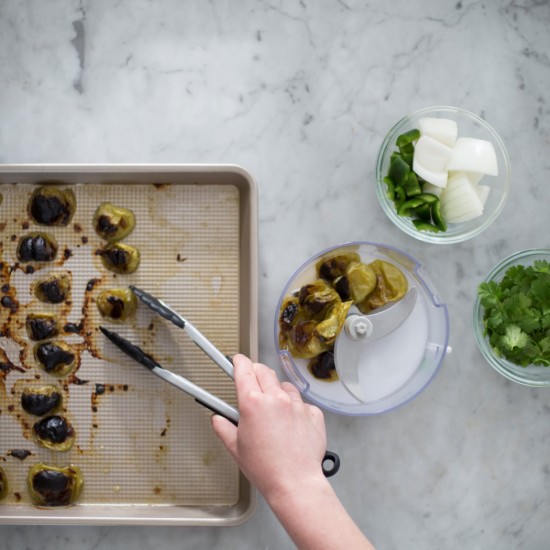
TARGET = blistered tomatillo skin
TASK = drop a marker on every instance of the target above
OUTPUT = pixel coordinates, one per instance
(117, 304)
(331, 268)
(54, 289)
(323, 366)
(53, 486)
(3, 484)
(317, 297)
(357, 283)
(37, 247)
(41, 326)
(120, 258)
(54, 432)
(113, 223)
(52, 206)
(311, 321)
(56, 358)
(391, 285)
(41, 401)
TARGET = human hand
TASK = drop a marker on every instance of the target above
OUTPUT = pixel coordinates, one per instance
(279, 445)
(280, 441)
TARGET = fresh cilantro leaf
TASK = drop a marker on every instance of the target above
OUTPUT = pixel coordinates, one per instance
(514, 337)
(540, 290)
(494, 319)
(489, 294)
(516, 314)
(529, 321)
(541, 266)
(544, 346)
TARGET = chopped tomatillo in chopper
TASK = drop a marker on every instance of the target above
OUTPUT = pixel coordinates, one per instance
(391, 285)
(311, 318)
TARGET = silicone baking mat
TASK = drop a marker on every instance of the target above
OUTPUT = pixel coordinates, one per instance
(139, 441)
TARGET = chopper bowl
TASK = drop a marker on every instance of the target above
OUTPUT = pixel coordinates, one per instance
(397, 373)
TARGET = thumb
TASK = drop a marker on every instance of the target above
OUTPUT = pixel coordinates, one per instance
(226, 432)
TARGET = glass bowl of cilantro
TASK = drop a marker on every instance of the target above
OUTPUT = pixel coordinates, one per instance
(512, 317)
(442, 175)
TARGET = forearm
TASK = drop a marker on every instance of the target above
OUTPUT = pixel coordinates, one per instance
(314, 518)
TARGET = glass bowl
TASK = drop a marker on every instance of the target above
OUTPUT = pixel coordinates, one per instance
(471, 126)
(394, 369)
(536, 376)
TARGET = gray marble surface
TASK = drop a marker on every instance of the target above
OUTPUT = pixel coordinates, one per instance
(301, 94)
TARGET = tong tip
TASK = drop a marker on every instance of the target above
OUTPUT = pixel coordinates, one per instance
(158, 306)
(114, 337)
(107, 332)
(136, 291)
(135, 352)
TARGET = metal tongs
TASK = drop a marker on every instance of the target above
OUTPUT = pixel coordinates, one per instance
(331, 461)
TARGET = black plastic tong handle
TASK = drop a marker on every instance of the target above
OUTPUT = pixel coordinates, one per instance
(333, 466)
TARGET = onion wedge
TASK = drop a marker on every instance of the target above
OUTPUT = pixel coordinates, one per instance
(473, 155)
(460, 200)
(443, 130)
(430, 160)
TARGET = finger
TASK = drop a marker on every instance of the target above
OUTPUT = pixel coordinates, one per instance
(292, 391)
(267, 379)
(245, 375)
(226, 432)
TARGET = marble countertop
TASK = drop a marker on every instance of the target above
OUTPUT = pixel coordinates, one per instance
(301, 94)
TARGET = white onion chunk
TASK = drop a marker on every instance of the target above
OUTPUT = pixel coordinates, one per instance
(473, 155)
(443, 130)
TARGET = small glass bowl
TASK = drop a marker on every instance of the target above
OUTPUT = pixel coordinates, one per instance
(471, 126)
(536, 376)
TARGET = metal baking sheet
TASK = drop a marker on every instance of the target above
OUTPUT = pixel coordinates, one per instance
(146, 450)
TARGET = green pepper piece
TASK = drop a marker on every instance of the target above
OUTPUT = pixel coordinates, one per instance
(421, 225)
(407, 137)
(428, 198)
(407, 149)
(400, 196)
(408, 158)
(407, 206)
(390, 192)
(437, 217)
(412, 188)
(399, 171)
(424, 212)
